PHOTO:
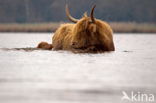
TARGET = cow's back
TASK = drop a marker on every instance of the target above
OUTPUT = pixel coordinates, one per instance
(58, 39)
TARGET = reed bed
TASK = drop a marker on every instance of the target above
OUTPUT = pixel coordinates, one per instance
(132, 27)
(118, 27)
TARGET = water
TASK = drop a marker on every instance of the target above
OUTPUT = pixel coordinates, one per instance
(63, 77)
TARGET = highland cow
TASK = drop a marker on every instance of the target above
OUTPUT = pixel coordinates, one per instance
(86, 35)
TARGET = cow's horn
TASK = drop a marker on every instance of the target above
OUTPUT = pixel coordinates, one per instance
(69, 16)
(92, 14)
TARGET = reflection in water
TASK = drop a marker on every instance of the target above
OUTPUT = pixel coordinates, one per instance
(42, 76)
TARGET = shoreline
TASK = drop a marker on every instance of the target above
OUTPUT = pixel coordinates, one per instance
(118, 27)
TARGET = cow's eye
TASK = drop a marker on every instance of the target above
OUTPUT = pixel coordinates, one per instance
(90, 22)
(73, 43)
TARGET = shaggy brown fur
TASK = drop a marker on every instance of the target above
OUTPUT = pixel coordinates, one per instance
(45, 45)
(87, 35)
(62, 37)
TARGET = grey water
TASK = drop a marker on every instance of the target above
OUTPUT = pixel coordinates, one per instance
(42, 76)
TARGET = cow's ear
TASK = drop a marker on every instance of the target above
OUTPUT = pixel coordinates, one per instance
(85, 14)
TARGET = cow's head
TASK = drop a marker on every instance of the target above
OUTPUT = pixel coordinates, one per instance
(85, 32)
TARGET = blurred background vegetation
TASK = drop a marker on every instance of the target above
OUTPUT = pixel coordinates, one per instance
(50, 11)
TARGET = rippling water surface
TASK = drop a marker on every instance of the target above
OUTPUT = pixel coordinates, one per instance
(42, 76)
